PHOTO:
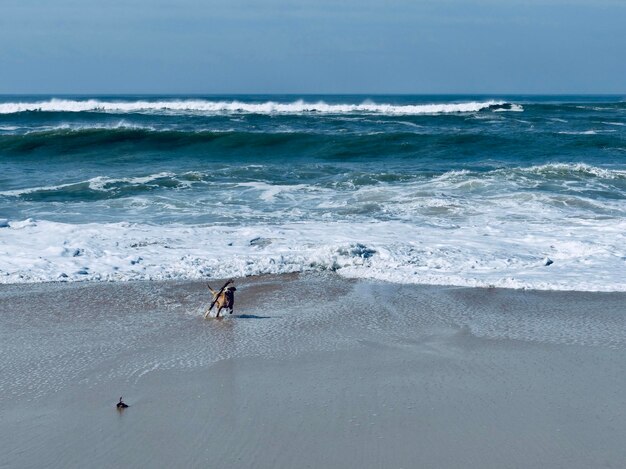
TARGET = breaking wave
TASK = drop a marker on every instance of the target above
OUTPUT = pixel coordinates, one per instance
(209, 107)
(327, 144)
(447, 190)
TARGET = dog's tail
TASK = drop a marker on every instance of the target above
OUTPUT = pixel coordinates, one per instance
(212, 291)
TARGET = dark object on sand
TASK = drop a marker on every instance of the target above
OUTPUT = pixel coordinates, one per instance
(121, 405)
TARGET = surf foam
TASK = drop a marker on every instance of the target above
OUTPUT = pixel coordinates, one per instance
(508, 255)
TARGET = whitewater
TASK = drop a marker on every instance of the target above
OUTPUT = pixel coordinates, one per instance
(498, 191)
(236, 106)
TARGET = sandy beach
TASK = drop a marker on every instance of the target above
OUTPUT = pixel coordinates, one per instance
(421, 205)
(311, 371)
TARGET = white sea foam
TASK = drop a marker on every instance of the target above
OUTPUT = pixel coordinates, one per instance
(588, 255)
(458, 228)
(588, 132)
(71, 127)
(581, 168)
(268, 192)
(582, 132)
(239, 107)
(99, 183)
(514, 108)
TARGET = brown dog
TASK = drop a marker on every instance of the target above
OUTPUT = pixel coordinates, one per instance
(224, 298)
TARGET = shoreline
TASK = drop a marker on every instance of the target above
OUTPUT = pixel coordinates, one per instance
(290, 275)
(311, 370)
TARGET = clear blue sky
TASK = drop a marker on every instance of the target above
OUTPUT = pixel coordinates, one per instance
(312, 46)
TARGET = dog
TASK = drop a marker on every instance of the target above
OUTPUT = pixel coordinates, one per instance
(222, 299)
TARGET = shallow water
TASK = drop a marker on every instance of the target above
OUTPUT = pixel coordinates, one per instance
(60, 335)
(312, 369)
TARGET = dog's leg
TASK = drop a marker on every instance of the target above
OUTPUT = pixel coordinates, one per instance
(206, 314)
(218, 312)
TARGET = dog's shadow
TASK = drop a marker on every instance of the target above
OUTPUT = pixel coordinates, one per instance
(250, 316)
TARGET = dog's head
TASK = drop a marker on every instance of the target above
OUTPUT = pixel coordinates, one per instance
(230, 289)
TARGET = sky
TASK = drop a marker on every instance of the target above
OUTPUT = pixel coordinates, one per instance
(313, 46)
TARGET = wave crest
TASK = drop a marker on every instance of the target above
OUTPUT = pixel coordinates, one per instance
(582, 169)
(239, 107)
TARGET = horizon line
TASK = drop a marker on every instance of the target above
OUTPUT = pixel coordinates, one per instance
(81, 94)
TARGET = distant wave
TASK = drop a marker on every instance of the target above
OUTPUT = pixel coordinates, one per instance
(71, 140)
(239, 107)
(328, 144)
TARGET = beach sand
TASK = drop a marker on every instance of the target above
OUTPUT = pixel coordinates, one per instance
(311, 371)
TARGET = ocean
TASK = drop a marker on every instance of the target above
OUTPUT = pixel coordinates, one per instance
(481, 191)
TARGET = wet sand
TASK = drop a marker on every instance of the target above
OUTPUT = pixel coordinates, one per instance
(311, 371)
